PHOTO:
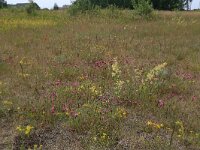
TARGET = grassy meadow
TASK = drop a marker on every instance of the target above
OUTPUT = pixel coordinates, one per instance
(108, 79)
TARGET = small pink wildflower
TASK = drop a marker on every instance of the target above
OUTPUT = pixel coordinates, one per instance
(53, 109)
(194, 98)
(161, 103)
(100, 64)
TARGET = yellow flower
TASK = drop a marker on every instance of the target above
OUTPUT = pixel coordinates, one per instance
(82, 77)
(124, 113)
(21, 61)
(155, 71)
(95, 138)
(19, 128)
(104, 136)
(28, 129)
(94, 90)
(149, 123)
(158, 126)
(7, 102)
(121, 113)
(35, 147)
(25, 75)
(115, 69)
(155, 125)
(24, 61)
(179, 123)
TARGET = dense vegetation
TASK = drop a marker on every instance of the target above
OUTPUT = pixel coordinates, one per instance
(3, 4)
(157, 4)
(31, 8)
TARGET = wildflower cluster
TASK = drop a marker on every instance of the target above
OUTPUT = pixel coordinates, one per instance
(138, 73)
(155, 72)
(120, 113)
(24, 75)
(180, 128)
(24, 62)
(25, 130)
(185, 135)
(104, 136)
(116, 74)
(152, 124)
(95, 90)
(91, 87)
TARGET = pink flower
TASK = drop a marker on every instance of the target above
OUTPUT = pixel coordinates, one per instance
(194, 98)
(53, 109)
(53, 96)
(100, 64)
(161, 103)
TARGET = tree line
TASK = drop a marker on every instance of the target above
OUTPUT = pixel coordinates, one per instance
(156, 4)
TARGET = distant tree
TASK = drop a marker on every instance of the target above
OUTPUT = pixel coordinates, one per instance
(55, 7)
(188, 4)
(171, 4)
(143, 7)
(3, 4)
(32, 7)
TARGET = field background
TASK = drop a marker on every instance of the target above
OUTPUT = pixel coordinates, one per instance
(43, 57)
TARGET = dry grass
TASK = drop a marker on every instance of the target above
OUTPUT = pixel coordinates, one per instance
(56, 70)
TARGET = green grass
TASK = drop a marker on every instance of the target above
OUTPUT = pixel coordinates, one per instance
(96, 75)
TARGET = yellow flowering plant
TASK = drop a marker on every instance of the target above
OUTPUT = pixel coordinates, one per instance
(155, 72)
(116, 75)
(25, 130)
(120, 113)
(154, 125)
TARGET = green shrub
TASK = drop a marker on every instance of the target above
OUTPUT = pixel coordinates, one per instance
(32, 7)
(80, 6)
(113, 12)
(143, 7)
